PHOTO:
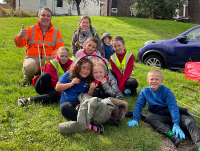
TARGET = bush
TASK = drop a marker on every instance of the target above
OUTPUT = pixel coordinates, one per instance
(15, 13)
(3, 13)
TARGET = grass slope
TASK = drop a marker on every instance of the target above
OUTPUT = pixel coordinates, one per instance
(34, 127)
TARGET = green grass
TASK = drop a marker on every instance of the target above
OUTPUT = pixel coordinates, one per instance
(35, 127)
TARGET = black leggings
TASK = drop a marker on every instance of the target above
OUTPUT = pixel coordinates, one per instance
(68, 110)
(131, 83)
(44, 88)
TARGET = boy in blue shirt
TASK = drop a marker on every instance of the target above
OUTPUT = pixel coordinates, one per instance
(164, 110)
(105, 39)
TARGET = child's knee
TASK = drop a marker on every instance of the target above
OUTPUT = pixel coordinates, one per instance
(189, 122)
(149, 117)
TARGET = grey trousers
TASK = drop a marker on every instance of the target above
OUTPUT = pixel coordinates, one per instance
(158, 123)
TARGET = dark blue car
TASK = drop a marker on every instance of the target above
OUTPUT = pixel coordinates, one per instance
(173, 53)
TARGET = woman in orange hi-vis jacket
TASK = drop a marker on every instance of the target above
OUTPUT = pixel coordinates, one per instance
(41, 40)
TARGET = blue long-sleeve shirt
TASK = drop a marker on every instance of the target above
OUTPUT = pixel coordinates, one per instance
(162, 97)
(108, 51)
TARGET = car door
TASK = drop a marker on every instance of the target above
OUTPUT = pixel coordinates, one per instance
(188, 50)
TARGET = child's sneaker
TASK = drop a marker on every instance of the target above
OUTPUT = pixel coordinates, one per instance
(129, 114)
(97, 128)
(100, 129)
(175, 140)
(22, 102)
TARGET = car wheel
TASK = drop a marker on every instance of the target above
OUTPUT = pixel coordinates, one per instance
(154, 61)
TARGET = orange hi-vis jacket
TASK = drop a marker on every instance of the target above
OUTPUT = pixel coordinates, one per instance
(52, 41)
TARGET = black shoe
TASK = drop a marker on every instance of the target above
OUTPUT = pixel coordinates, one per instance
(113, 122)
(129, 114)
(133, 93)
(119, 122)
(142, 117)
(100, 129)
(175, 140)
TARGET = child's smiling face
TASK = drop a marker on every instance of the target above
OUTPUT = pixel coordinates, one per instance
(118, 47)
(154, 81)
(85, 70)
(90, 47)
(63, 56)
(99, 72)
(106, 40)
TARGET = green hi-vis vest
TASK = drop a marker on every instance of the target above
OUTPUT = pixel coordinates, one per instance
(123, 64)
(58, 68)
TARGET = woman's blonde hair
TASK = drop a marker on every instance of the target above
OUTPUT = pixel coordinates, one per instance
(74, 71)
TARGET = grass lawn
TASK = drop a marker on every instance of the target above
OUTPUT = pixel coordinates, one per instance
(35, 127)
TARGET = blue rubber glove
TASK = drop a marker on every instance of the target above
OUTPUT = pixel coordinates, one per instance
(127, 91)
(132, 123)
(177, 130)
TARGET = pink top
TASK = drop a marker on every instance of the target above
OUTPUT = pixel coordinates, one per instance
(82, 52)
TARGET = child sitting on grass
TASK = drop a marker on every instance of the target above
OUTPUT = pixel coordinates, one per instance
(122, 63)
(164, 110)
(45, 84)
(106, 85)
(71, 83)
(105, 39)
(90, 48)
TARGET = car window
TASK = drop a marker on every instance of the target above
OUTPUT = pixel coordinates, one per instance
(193, 35)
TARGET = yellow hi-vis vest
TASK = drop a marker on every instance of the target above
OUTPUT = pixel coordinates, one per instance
(58, 68)
(123, 64)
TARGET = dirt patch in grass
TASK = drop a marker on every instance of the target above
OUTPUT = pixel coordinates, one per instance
(186, 145)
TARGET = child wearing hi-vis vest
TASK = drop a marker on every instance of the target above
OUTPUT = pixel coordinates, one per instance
(122, 63)
(45, 84)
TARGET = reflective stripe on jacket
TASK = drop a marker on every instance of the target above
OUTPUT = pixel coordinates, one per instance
(58, 68)
(122, 65)
(52, 41)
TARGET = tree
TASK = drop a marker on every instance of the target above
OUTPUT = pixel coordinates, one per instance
(84, 2)
(6, 1)
(163, 9)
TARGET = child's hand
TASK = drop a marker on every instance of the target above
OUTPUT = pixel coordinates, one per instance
(178, 132)
(103, 81)
(127, 91)
(93, 85)
(75, 81)
(132, 123)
